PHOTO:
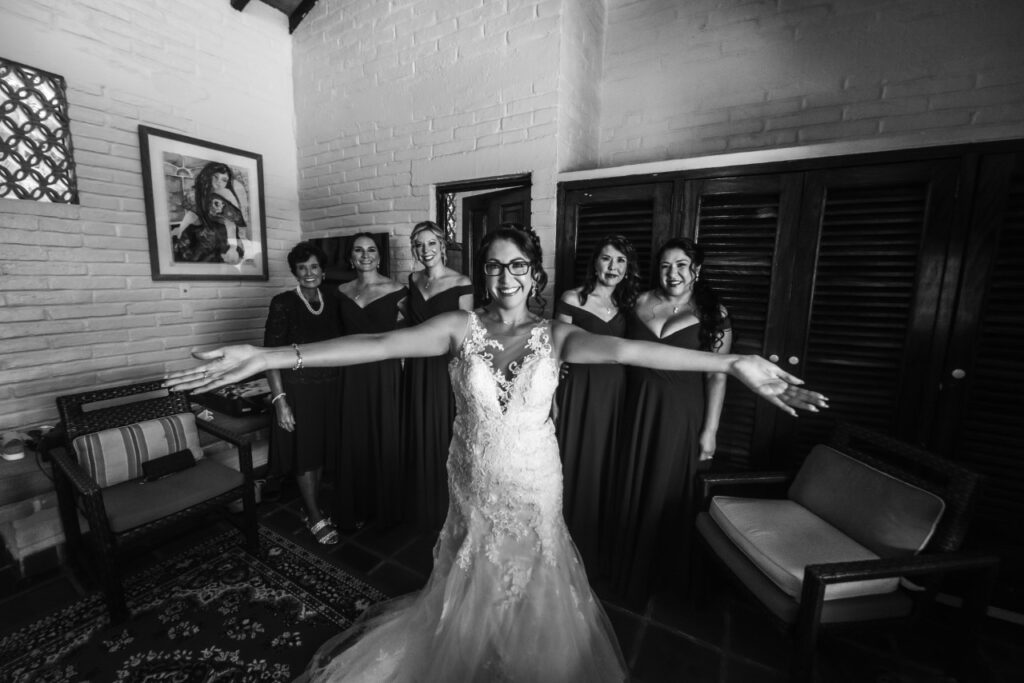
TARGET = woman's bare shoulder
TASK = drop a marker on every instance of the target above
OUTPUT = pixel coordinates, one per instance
(572, 296)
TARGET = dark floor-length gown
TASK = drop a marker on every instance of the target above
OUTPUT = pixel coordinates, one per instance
(312, 393)
(661, 452)
(368, 476)
(589, 400)
(428, 409)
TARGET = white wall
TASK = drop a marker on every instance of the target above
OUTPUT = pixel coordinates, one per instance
(78, 306)
(393, 98)
(682, 79)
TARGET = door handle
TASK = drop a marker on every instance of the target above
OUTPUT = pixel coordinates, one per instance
(793, 360)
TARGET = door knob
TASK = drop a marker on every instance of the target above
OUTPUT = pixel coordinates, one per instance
(774, 358)
(793, 360)
(959, 373)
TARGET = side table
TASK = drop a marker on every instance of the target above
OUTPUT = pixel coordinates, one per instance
(241, 432)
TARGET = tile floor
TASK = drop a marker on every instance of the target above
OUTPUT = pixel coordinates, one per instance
(724, 640)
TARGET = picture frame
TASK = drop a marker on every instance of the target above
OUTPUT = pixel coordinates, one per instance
(204, 208)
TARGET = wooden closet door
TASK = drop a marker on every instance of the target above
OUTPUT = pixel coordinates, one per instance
(866, 287)
(982, 417)
(746, 226)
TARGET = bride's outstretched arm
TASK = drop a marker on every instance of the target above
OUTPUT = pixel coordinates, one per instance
(766, 379)
(230, 364)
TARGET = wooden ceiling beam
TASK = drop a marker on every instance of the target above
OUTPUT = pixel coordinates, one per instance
(299, 14)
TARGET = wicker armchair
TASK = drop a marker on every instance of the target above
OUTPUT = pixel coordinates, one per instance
(877, 490)
(119, 507)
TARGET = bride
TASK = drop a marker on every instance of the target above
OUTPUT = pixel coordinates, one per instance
(508, 598)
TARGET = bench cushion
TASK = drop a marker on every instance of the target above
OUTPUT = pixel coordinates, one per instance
(781, 537)
(882, 513)
(116, 455)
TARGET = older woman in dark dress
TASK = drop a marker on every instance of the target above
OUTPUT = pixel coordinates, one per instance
(305, 400)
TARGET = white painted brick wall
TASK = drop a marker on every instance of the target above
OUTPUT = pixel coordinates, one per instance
(78, 306)
(393, 99)
(683, 79)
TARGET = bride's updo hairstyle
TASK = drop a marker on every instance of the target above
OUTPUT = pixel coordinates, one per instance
(526, 241)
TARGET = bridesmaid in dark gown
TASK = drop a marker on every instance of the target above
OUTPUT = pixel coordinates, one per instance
(368, 472)
(589, 401)
(428, 405)
(670, 428)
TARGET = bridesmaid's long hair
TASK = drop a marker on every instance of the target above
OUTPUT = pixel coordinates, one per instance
(526, 241)
(628, 289)
(706, 304)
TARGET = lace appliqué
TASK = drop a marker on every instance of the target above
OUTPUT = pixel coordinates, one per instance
(505, 476)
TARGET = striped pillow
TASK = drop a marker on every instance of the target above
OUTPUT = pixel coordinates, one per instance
(116, 455)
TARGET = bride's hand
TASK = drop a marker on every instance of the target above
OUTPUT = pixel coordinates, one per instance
(227, 365)
(776, 385)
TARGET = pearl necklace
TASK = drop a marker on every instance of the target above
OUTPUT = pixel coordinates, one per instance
(319, 296)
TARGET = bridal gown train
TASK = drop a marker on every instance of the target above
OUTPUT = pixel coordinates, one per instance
(508, 598)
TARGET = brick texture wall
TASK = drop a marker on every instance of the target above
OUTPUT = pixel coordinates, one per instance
(702, 77)
(78, 306)
(393, 98)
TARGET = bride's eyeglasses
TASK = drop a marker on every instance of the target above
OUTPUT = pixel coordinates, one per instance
(515, 267)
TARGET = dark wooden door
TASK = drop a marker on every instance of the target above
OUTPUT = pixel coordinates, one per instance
(865, 297)
(836, 276)
(981, 421)
(747, 226)
(482, 213)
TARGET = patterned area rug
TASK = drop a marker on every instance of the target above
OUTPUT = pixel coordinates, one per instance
(214, 614)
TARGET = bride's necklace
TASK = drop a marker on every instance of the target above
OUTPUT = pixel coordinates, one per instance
(319, 297)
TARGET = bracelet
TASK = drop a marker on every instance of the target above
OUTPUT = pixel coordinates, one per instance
(298, 358)
(274, 400)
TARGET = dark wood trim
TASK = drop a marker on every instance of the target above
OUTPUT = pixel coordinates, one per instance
(296, 17)
(810, 164)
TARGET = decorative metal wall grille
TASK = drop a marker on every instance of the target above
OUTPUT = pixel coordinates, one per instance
(450, 226)
(36, 160)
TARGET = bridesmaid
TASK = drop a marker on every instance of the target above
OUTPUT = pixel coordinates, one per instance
(589, 400)
(368, 475)
(428, 405)
(672, 425)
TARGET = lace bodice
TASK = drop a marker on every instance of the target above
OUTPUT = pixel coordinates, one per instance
(503, 464)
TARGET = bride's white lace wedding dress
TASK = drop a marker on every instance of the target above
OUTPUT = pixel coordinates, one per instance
(508, 598)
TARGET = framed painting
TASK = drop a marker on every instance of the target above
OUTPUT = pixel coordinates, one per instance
(204, 209)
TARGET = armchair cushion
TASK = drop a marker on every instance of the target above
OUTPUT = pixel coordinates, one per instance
(113, 456)
(886, 515)
(134, 503)
(781, 537)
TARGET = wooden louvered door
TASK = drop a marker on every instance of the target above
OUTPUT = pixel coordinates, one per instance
(866, 292)
(835, 275)
(641, 213)
(982, 418)
(745, 225)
